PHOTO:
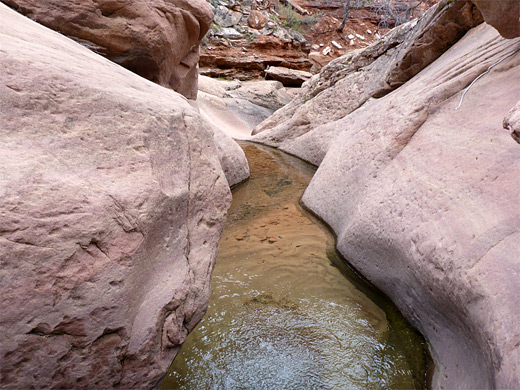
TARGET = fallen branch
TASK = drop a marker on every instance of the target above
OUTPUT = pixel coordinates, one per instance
(487, 71)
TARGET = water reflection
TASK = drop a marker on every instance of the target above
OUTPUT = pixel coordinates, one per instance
(285, 312)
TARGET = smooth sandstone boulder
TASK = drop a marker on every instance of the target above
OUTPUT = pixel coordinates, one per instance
(424, 199)
(112, 201)
(235, 108)
(288, 77)
(231, 156)
(349, 81)
(158, 40)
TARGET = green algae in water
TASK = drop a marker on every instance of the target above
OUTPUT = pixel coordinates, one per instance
(280, 316)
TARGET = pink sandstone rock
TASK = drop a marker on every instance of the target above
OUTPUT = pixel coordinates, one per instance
(424, 198)
(349, 81)
(236, 107)
(112, 201)
(158, 40)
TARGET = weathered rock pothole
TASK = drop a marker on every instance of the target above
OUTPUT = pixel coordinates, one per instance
(285, 311)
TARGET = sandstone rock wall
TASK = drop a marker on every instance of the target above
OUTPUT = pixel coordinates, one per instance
(424, 200)
(158, 40)
(237, 107)
(423, 195)
(249, 36)
(246, 37)
(301, 127)
(112, 200)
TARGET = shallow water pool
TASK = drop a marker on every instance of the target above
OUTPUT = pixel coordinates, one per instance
(285, 311)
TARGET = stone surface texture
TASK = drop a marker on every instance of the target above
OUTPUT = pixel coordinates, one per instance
(231, 157)
(288, 77)
(424, 200)
(158, 40)
(112, 202)
(257, 19)
(236, 107)
(302, 127)
(512, 122)
(248, 36)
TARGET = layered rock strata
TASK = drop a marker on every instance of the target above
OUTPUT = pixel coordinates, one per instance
(158, 40)
(246, 37)
(112, 201)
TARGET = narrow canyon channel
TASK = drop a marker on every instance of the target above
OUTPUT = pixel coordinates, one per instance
(285, 311)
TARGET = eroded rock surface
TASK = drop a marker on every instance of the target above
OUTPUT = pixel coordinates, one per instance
(232, 158)
(233, 109)
(112, 201)
(424, 201)
(288, 77)
(301, 127)
(158, 40)
(236, 107)
(249, 36)
(512, 122)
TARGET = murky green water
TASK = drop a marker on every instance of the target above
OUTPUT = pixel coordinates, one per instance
(285, 312)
